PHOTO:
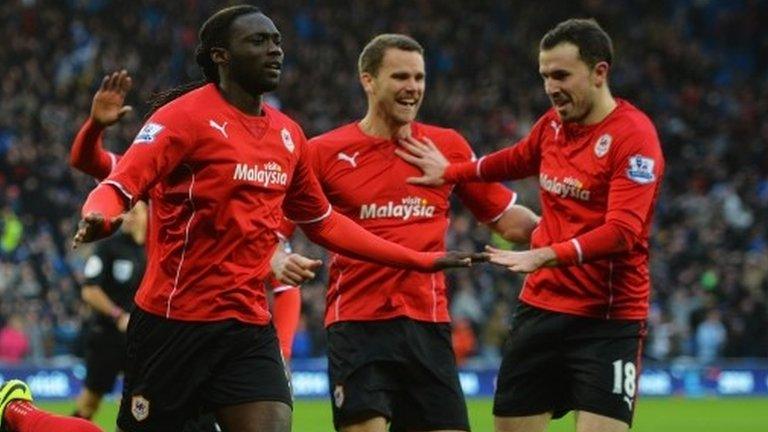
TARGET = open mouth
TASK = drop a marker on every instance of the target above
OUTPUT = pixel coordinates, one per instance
(275, 66)
(408, 103)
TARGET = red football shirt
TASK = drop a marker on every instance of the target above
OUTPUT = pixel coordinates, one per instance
(590, 177)
(216, 179)
(366, 181)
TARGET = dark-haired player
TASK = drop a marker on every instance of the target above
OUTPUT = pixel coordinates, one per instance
(577, 335)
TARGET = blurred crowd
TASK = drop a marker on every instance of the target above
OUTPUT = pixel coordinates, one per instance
(698, 67)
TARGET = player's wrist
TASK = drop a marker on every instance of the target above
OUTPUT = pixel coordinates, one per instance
(565, 253)
(95, 124)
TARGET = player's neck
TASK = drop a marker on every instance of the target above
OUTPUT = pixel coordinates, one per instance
(604, 105)
(378, 126)
(240, 98)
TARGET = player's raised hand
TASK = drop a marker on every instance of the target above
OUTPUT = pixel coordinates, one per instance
(107, 107)
(522, 261)
(459, 259)
(93, 227)
(292, 268)
(426, 156)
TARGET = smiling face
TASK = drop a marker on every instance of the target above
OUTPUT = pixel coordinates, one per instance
(571, 85)
(397, 89)
(254, 56)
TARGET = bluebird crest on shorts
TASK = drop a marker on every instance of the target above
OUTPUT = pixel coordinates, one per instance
(338, 395)
(148, 133)
(641, 169)
(287, 140)
(139, 407)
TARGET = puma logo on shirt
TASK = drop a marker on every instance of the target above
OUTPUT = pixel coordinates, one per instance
(351, 159)
(220, 128)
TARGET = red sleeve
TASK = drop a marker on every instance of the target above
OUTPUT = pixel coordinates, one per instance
(88, 154)
(341, 235)
(519, 161)
(286, 315)
(638, 167)
(158, 148)
(486, 201)
(106, 200)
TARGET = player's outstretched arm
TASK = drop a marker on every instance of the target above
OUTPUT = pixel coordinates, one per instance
(88, 154)
(525, 261)
(340, 234)
(101, 215)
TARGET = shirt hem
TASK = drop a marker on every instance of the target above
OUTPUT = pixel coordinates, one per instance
(202, 318)
(615, 315)
(424, 318)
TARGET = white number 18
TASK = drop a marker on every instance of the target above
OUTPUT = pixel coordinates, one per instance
(624, 377)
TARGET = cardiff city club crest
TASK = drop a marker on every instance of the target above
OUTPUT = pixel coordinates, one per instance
(139, 407)
(602, 145)
(338, 395)
(287, 140)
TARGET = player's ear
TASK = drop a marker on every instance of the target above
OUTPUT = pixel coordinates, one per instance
(366, 80)
(600, 73)
(220, 56)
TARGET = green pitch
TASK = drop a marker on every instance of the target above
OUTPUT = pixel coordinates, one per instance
(653, 415)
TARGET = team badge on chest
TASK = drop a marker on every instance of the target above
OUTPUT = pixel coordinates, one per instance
(602, 145)
(287, 140)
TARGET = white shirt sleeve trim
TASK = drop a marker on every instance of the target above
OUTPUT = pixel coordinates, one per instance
(578, 250)
(317, 219)
(478, 167)
(112, 158)
(121, 188)
(509, 206)
(283, 288)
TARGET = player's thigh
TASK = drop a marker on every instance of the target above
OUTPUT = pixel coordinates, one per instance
(603, 365)
(158, 392)
(249, 368)
(532, 423)
(263, 416)
(364, 398)
(591, 422)
(363, 371)
(432, 398)
(530, 380)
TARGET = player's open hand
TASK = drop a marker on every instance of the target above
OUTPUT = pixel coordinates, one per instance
(294, 269)
(107, 107)
(521, 261)
(459, 259)
(93, 227)
(424, 155)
